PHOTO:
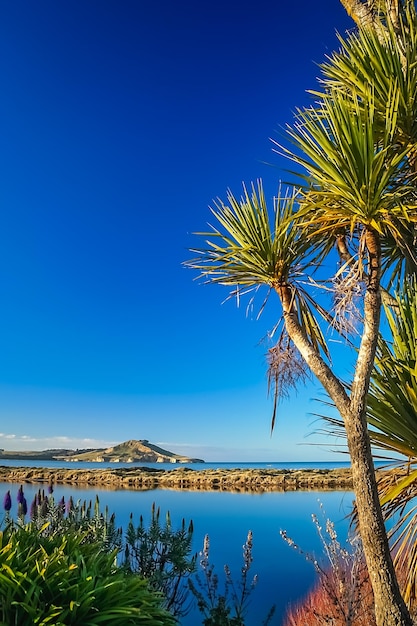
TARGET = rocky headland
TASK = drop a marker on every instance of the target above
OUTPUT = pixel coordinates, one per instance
(132, 451)
(143, 478)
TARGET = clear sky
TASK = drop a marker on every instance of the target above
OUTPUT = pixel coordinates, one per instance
(120, 121)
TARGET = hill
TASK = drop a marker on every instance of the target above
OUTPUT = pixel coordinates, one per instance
(132, 451)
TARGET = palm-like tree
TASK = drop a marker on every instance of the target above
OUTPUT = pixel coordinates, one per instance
(360, 161)
(359, 194)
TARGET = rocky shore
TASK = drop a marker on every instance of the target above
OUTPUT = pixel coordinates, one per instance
(142, 478)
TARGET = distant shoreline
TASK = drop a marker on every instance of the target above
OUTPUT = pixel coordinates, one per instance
(183, 478)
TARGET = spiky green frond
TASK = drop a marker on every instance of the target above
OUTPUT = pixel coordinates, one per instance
(387, 60)
(249, 246)
(399, 252)
(358, 145)
(392, 402)
(359, 177)
(392, 398)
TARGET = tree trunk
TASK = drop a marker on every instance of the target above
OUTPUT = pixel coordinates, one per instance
(360, 12)
(365, 13)
(390, 609)
(389, 605)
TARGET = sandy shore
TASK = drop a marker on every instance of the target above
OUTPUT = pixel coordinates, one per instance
(142, 478)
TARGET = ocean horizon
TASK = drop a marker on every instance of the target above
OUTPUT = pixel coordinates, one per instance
(172, 466)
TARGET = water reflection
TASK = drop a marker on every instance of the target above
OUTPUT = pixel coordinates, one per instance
(284, 576)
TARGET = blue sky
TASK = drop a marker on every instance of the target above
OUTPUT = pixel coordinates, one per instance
(120, 122)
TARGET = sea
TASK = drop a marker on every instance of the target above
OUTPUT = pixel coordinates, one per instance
(171, 466)
(284, 573)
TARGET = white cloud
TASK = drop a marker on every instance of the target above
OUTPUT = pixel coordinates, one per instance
(29, 442)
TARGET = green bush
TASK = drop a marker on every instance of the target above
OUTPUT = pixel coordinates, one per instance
(163, 556)
(58, 518)
(157, 552)
(62, 580)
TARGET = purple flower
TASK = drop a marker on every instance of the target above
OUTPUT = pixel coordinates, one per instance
(34, 508)
(7, 502)
(51, 488)
(23, 507)
(61, 506)
(70, 505)
(20, 495)
(45, 506)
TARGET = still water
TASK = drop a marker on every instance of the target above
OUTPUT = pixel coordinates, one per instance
(284, 575)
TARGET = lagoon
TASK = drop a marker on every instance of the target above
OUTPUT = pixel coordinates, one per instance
(284, 575)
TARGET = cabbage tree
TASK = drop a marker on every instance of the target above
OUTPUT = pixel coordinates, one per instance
(357, 195)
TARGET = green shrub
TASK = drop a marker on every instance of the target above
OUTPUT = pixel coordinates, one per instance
(163, 556)
(60, 580)
(158, 552)
(57, 518)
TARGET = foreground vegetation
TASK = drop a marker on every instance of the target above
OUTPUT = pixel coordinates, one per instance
(64, 563)
(62, 579)
(61, 568)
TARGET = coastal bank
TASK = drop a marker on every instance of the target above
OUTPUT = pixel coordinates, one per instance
(143, 478)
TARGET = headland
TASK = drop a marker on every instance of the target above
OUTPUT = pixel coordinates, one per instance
(132, 451)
